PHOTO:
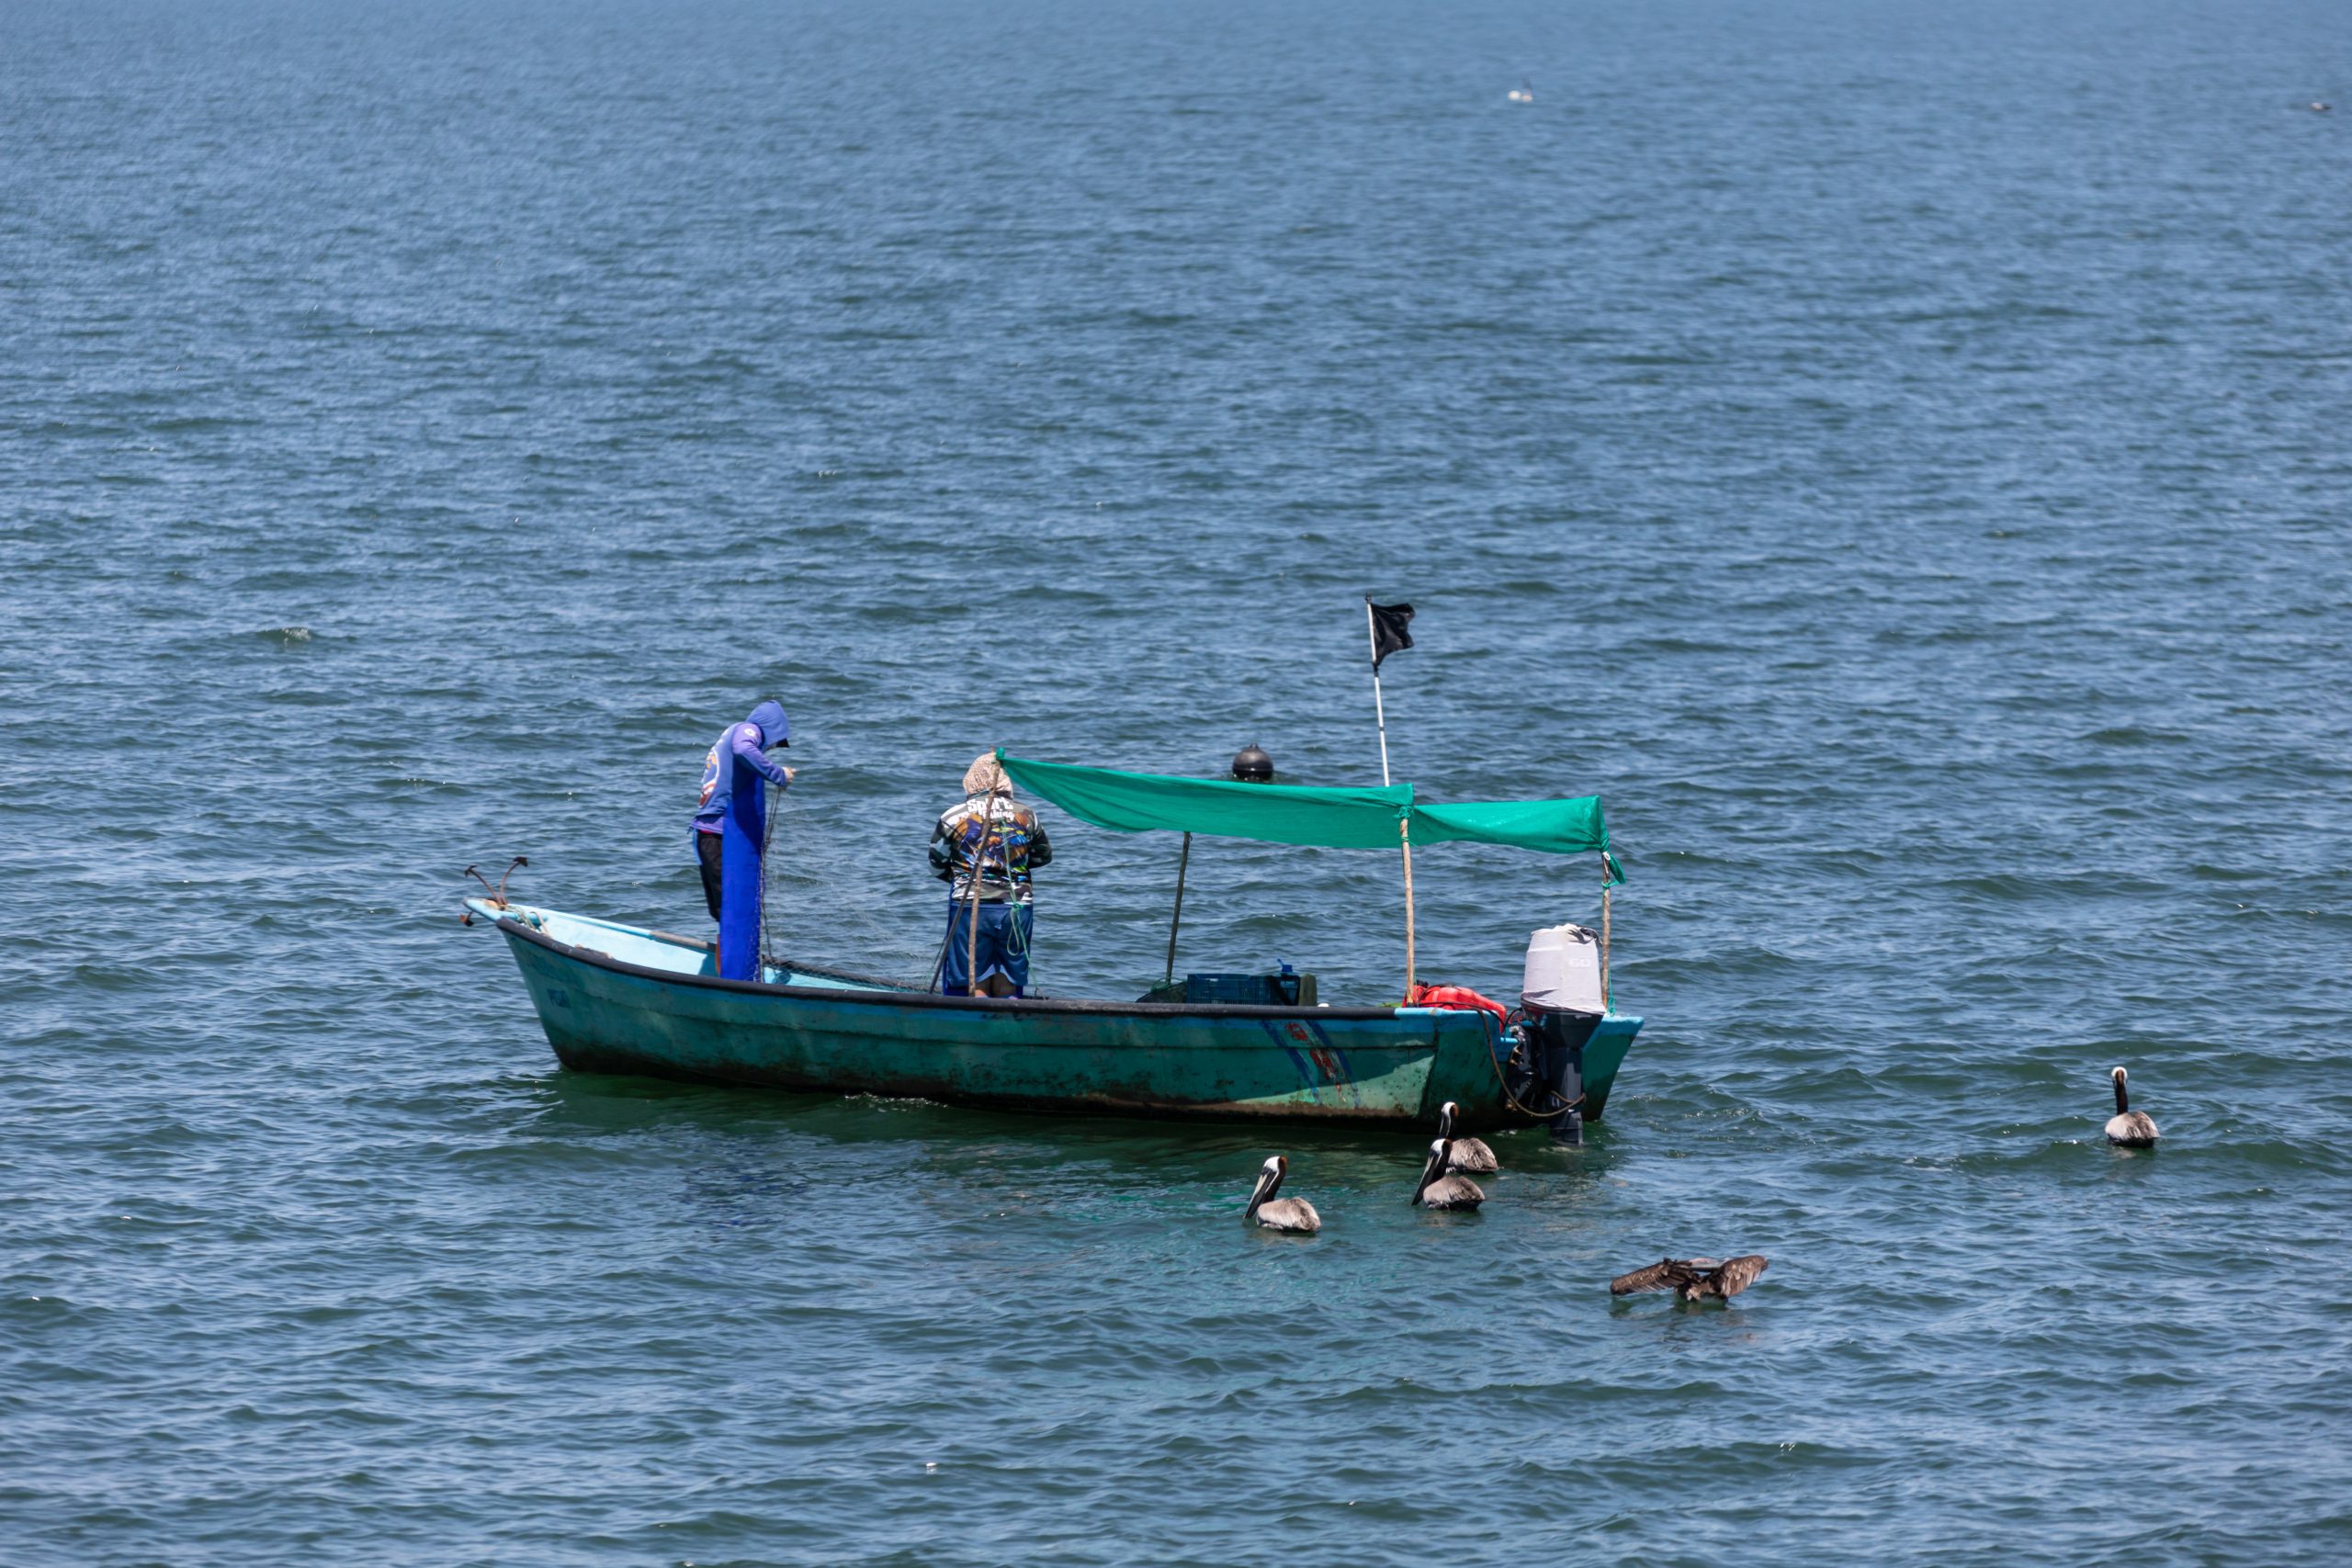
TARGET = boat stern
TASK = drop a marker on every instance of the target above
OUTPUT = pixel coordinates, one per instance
(1473, 1068)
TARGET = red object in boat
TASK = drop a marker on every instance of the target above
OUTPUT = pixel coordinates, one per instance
(1456, 998)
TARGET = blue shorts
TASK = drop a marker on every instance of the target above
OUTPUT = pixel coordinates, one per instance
(1003, 945)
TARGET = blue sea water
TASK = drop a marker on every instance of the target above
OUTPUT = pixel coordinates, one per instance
(1897, 454)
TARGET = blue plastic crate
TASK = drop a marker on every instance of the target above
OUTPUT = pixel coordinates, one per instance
(1281, 989)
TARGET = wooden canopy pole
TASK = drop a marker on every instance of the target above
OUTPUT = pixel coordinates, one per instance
(1405, 835)
(1604, 938)
(1409, 908)
(1183, 860)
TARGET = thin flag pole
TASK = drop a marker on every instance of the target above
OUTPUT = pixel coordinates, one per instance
(1405, 837)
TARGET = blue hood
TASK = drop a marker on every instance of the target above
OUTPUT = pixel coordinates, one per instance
(775, 728)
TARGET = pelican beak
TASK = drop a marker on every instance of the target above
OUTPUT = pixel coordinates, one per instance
(1257, 1196)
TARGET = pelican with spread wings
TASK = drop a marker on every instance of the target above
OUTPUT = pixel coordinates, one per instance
(1692, 1278)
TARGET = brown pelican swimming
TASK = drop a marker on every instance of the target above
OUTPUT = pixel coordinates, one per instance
(1692, 1278)
(2128, 1128)
(1294, 1214)
(1440, 1190)
(1464, 1154)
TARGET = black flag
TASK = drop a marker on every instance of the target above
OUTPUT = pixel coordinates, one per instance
(1388, 633)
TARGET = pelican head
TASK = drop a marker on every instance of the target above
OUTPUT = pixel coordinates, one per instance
(2121, 1077)
(1445, 1116)
(1270, 1180)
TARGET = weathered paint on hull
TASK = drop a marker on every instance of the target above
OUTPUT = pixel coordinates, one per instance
(1338, 1064)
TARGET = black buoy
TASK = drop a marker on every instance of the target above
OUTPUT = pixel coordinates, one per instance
(1251, 765)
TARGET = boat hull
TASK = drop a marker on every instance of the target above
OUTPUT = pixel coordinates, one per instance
(605, 1013)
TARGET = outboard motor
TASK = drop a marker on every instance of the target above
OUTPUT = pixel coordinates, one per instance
(1561, 994)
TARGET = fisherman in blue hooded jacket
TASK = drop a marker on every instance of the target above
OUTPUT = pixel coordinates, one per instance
(747, 743)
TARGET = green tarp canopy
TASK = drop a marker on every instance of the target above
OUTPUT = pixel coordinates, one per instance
(1293, 814)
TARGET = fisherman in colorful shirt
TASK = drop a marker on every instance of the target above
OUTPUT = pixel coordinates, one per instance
(1002, 842)
(750, 742)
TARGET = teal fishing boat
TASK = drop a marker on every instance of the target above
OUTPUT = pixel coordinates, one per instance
(622, 999)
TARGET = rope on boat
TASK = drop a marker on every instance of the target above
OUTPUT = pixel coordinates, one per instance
(1511, 1099)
